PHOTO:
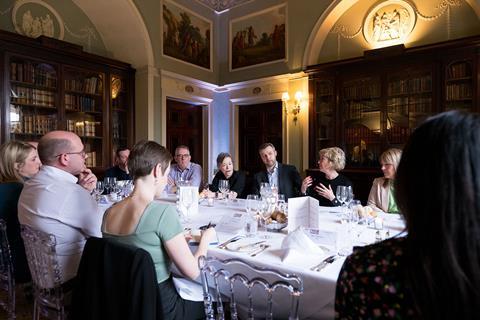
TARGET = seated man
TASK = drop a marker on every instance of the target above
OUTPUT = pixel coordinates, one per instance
(120, 170)
(184, 170)
(57, 202)
(284, 176)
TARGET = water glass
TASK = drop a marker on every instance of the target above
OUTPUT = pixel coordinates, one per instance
(99, 188)
(265, 189)
(251, 226)
(224, 188)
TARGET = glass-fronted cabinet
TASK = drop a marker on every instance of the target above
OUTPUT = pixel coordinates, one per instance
(120, 112)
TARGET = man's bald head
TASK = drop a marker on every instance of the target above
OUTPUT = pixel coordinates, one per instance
(54, 143)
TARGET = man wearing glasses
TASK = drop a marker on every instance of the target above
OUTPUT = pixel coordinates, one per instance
(57, 200)
(184, 171)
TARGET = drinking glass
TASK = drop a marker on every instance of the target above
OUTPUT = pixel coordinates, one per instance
(110, 183)
(251, 223)
(99, 188)
(224, 188)
(264, 214)
(265, 189)
(186, 200)
(341, 194)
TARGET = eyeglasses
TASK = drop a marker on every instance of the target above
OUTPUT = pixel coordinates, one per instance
(80, 153)
(183, 156)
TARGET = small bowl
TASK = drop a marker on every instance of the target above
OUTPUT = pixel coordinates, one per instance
(275, 226)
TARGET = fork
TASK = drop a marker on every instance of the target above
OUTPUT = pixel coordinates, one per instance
(324, 263)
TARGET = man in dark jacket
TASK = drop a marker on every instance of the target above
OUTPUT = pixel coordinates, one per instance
(284, 176)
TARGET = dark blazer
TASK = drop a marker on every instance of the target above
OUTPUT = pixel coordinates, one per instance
(236, 182)
(289, 181)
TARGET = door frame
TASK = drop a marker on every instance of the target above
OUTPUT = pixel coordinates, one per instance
(188, 91)
(235, 118)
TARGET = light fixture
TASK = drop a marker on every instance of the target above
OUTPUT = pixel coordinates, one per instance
(294, 107)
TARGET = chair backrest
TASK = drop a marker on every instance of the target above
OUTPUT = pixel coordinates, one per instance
(115, 281)
(44, 267)
(7, 276)
(236, 273)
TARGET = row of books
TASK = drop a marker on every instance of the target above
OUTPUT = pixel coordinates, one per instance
(33, 124)
(33, 73)
(404, 105)
(83, 128)
(91, 160)
(459, 91)
(459, 70)
(358, 110)
(361, 91)
(80, 103)
(91, 85)
(408, 86)
(32, 96)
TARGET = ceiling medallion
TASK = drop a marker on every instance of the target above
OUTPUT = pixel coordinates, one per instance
(222, 5)
(389, 23)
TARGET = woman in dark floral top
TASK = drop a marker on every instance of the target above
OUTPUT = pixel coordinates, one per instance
(433, 272)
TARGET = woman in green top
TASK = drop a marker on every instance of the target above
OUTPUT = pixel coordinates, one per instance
(381, 195)
(138, 220)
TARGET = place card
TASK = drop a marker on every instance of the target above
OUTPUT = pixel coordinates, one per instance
(302, 212)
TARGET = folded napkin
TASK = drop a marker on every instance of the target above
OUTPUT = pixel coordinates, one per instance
(297, 246)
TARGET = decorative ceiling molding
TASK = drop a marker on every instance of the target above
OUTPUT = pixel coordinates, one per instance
(222, 5)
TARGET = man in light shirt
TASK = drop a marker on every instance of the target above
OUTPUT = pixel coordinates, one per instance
(184, 170)
(57, 200)
(284, 176)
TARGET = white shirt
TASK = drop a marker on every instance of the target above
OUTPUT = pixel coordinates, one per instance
(53, 202)
(273, 175)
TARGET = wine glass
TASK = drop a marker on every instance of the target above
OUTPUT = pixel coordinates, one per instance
(186, 200)
(110, 183)
(265, 189)
(264, 213)
(224, 188)
(341, 194)
(251, 205)
(98, 190)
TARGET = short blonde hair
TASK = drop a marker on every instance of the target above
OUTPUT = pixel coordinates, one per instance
(392, 156)
(335, 155)
(11, 153)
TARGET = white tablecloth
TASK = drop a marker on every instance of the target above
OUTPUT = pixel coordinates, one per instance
(317, 302)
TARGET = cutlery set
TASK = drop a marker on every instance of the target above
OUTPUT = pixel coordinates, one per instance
(325, 262)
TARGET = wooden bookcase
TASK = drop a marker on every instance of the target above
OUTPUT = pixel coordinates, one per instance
(47, 84)
(366, 105)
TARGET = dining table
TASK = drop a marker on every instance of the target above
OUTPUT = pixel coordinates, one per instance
(318, 298)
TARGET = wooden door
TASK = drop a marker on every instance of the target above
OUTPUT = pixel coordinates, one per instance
(258, 124)
(185, 127)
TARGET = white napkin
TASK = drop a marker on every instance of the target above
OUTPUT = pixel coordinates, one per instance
(297, 246)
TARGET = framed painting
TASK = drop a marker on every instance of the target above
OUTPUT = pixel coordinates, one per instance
(186, 36)
(259, 38)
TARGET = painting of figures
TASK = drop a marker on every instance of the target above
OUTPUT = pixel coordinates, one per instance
(258, 38)
(186, 36)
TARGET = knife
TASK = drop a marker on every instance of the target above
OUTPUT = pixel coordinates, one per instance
(324, 263)
(263, 247)
(250, 245)
(224, 244)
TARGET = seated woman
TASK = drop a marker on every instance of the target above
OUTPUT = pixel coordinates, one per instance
(432, 272)
(323, 187)
(139, 221)
(18, 162)
(236, 179)
(381, 195)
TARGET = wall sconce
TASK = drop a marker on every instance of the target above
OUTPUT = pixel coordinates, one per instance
(295, 106)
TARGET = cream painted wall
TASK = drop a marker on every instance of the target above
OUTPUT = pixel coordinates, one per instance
(130, 30)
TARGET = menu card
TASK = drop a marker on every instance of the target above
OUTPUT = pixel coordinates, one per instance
(302, 212)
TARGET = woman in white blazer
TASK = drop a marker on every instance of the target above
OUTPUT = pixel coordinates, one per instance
(381, 195)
